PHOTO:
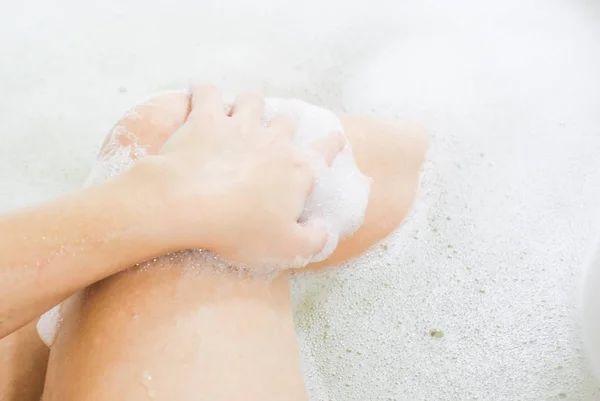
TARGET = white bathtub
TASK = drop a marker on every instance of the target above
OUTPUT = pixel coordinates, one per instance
(507, 218)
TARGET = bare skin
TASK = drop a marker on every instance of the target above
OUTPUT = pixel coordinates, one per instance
(390, 152)
(50, 251)
(23, 362)
(179, 329)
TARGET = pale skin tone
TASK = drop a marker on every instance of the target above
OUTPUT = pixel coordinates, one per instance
(173, 321)
(23, 362)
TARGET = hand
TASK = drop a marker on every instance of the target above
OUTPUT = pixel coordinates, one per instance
(237, 188)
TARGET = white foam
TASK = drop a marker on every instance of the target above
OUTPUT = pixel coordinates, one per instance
(48, 325)
(115, 159)
(341, 193)
(591, 311)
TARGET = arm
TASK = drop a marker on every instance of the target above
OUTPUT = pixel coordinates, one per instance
(49, 251)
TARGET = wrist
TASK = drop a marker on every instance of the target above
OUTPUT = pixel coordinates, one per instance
(169, 209)
(144, 206)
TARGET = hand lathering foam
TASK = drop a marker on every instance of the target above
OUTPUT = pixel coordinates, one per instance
(341, 192)
(338, 200)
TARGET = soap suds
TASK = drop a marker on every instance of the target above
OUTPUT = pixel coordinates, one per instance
(591, 310)
(341, 193)
(48, 325)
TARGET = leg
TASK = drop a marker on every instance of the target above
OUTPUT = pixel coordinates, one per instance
(191, 337)
(178, 329)
(23, 357)
(23, 361)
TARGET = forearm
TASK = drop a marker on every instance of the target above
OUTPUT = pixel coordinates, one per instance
(48, 252)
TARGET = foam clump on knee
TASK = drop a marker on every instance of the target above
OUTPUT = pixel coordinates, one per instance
(340, 195)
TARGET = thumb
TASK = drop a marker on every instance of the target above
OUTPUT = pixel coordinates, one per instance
(311, 238)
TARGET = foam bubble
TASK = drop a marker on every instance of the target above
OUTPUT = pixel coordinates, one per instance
(47, 326)
(591, 310)
(341, 193)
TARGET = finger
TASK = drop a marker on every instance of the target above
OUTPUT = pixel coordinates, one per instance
(282, 126)
(206, 100)
(248, 106)
(310, 239)
(328, 148)
(305, 171)
(149, 124)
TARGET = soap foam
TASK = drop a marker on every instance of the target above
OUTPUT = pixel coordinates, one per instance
(591, 310)
(341, 193)
(48, 325)
(338, 200)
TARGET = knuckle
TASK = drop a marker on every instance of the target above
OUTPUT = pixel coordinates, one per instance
(325, 147)
(236, 123)
(206, 116)
(286, 121)
(281, 147)
(288, 126)
(301, 161)
(281, 127)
